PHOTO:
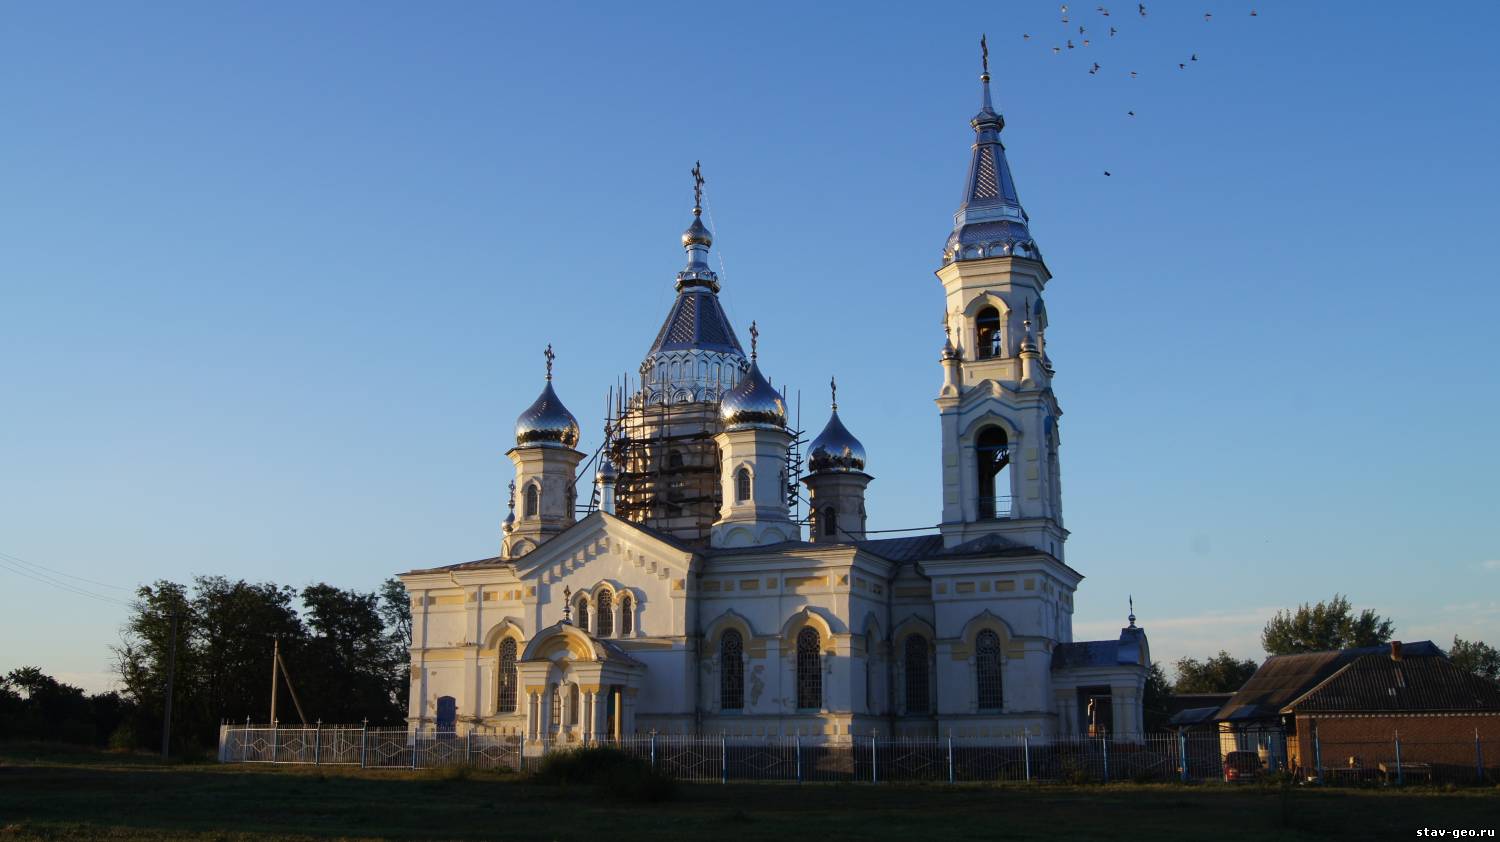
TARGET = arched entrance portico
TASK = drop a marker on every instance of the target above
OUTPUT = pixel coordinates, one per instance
(579, 689)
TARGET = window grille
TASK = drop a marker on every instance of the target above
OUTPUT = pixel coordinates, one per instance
(741, 485)
(604, 625)
(530, 509)
(627, 616)
(809, 669)
(731, 671)
(583, 614)
(987, 670)
(916, 674)
(556, 708)
(508, 676)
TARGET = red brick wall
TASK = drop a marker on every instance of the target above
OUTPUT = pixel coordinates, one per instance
(1438, 739)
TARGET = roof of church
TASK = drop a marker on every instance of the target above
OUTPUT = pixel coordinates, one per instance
(990, 217)
(696, 321)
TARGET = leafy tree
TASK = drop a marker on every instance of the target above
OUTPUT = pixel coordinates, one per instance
(36, 706)
(1326, 625)
(1476, 656)
(1154, 710)
(1223, 673)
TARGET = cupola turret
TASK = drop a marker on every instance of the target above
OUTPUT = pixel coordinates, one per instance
(753, 450)
(545, 461)
(836, 480)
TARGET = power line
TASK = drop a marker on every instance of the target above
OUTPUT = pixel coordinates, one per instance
(50, 571)
(73, 589)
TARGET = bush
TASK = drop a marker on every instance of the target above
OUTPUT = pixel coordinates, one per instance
(611, 771)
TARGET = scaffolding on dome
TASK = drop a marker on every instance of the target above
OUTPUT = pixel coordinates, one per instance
(667, 463)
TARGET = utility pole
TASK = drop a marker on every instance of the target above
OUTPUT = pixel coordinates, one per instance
(166, 716)
(275, 660)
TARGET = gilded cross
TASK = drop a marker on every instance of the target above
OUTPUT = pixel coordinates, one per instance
(550, 357)
(754, 339)
(984, 51)
(833, 387)
(697, 185)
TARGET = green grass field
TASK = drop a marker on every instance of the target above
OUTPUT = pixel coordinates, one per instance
(55, 793)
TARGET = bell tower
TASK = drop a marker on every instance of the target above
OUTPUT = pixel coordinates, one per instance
(997, 408)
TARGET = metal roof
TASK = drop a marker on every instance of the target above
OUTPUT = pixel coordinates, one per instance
(1373, 683)
(696, 322)
(1283, 678)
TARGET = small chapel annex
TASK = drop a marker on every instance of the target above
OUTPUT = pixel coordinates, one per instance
(685, 597)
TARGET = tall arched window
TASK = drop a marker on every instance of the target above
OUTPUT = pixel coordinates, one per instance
(605, 614)
(992, 453)
(573, 705)
(507, 702)
(556, 708)
(583, 613)
(830, 520)
(741, 485)
(731, 671)
(987, 329)
(627, 615)
(809, 669)
(531, 505)
(916, 674)
(987, 671)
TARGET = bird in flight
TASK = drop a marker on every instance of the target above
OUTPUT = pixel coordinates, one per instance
(1253, 14)
(1056, 50)
(1095, 69)
(1070, 43)
(1130, 113)
(1085, 42)
(1080, 30)
(1132, 74)
(1025, 37)
(1181, 66)
(1111, 32)
(1106, 172)
(1194, 58)
(1208, 15)
(1142, 8)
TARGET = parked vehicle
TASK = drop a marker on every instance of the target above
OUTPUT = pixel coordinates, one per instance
(1241, 766)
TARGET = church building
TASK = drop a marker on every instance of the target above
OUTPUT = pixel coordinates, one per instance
(685, 595)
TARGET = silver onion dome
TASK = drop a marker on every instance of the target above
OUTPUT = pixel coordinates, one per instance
(753, 403)
(547, 422)
(606, 472)
(697, 234)
(836, 449)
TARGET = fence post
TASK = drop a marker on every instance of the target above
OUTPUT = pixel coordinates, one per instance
(416, 737)
(318, 743)
(874, 759)
(723, 758)
(653, 748)
(1026, 752)
(1182, 753)
(363, 730)
(1400, 773)
(798, 739)
(950, 755)
(469, 746)
(245, 741)
(273, 740)
(1104, 746)
(1478, 758)
(1317, 753)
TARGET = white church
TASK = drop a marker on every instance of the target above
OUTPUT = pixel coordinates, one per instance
(687, 597)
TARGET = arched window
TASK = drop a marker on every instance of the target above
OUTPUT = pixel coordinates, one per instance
(573, 704)
(604, 624)
(809, 669)
(916, 674)
(741, 485)
(987, 671)
(447, 715)
(507, 702)
(674, 459)
(556, 708)
(531, 506)
(627, 615)
(731, 671)
(992, 453)
(583, 613)
(987, 328)
(830, 520)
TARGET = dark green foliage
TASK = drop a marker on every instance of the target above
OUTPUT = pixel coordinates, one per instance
(1324, 626)
(35, 706)
(1476, 656)
(1223, 673)
(1154, 708)
(345, 650)
(612, 772)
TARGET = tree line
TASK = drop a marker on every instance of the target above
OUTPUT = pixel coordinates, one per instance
(346, 651)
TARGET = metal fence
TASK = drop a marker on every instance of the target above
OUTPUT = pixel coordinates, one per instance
(1159, 757)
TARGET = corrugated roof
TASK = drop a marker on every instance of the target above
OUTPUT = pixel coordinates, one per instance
(1376, 683)
(1282, 678)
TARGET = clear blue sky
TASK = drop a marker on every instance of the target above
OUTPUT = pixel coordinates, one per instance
(275, 279)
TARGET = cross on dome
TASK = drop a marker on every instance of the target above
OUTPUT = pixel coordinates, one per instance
(550, 357)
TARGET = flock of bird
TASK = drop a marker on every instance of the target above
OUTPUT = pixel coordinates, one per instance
(1096, 67)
